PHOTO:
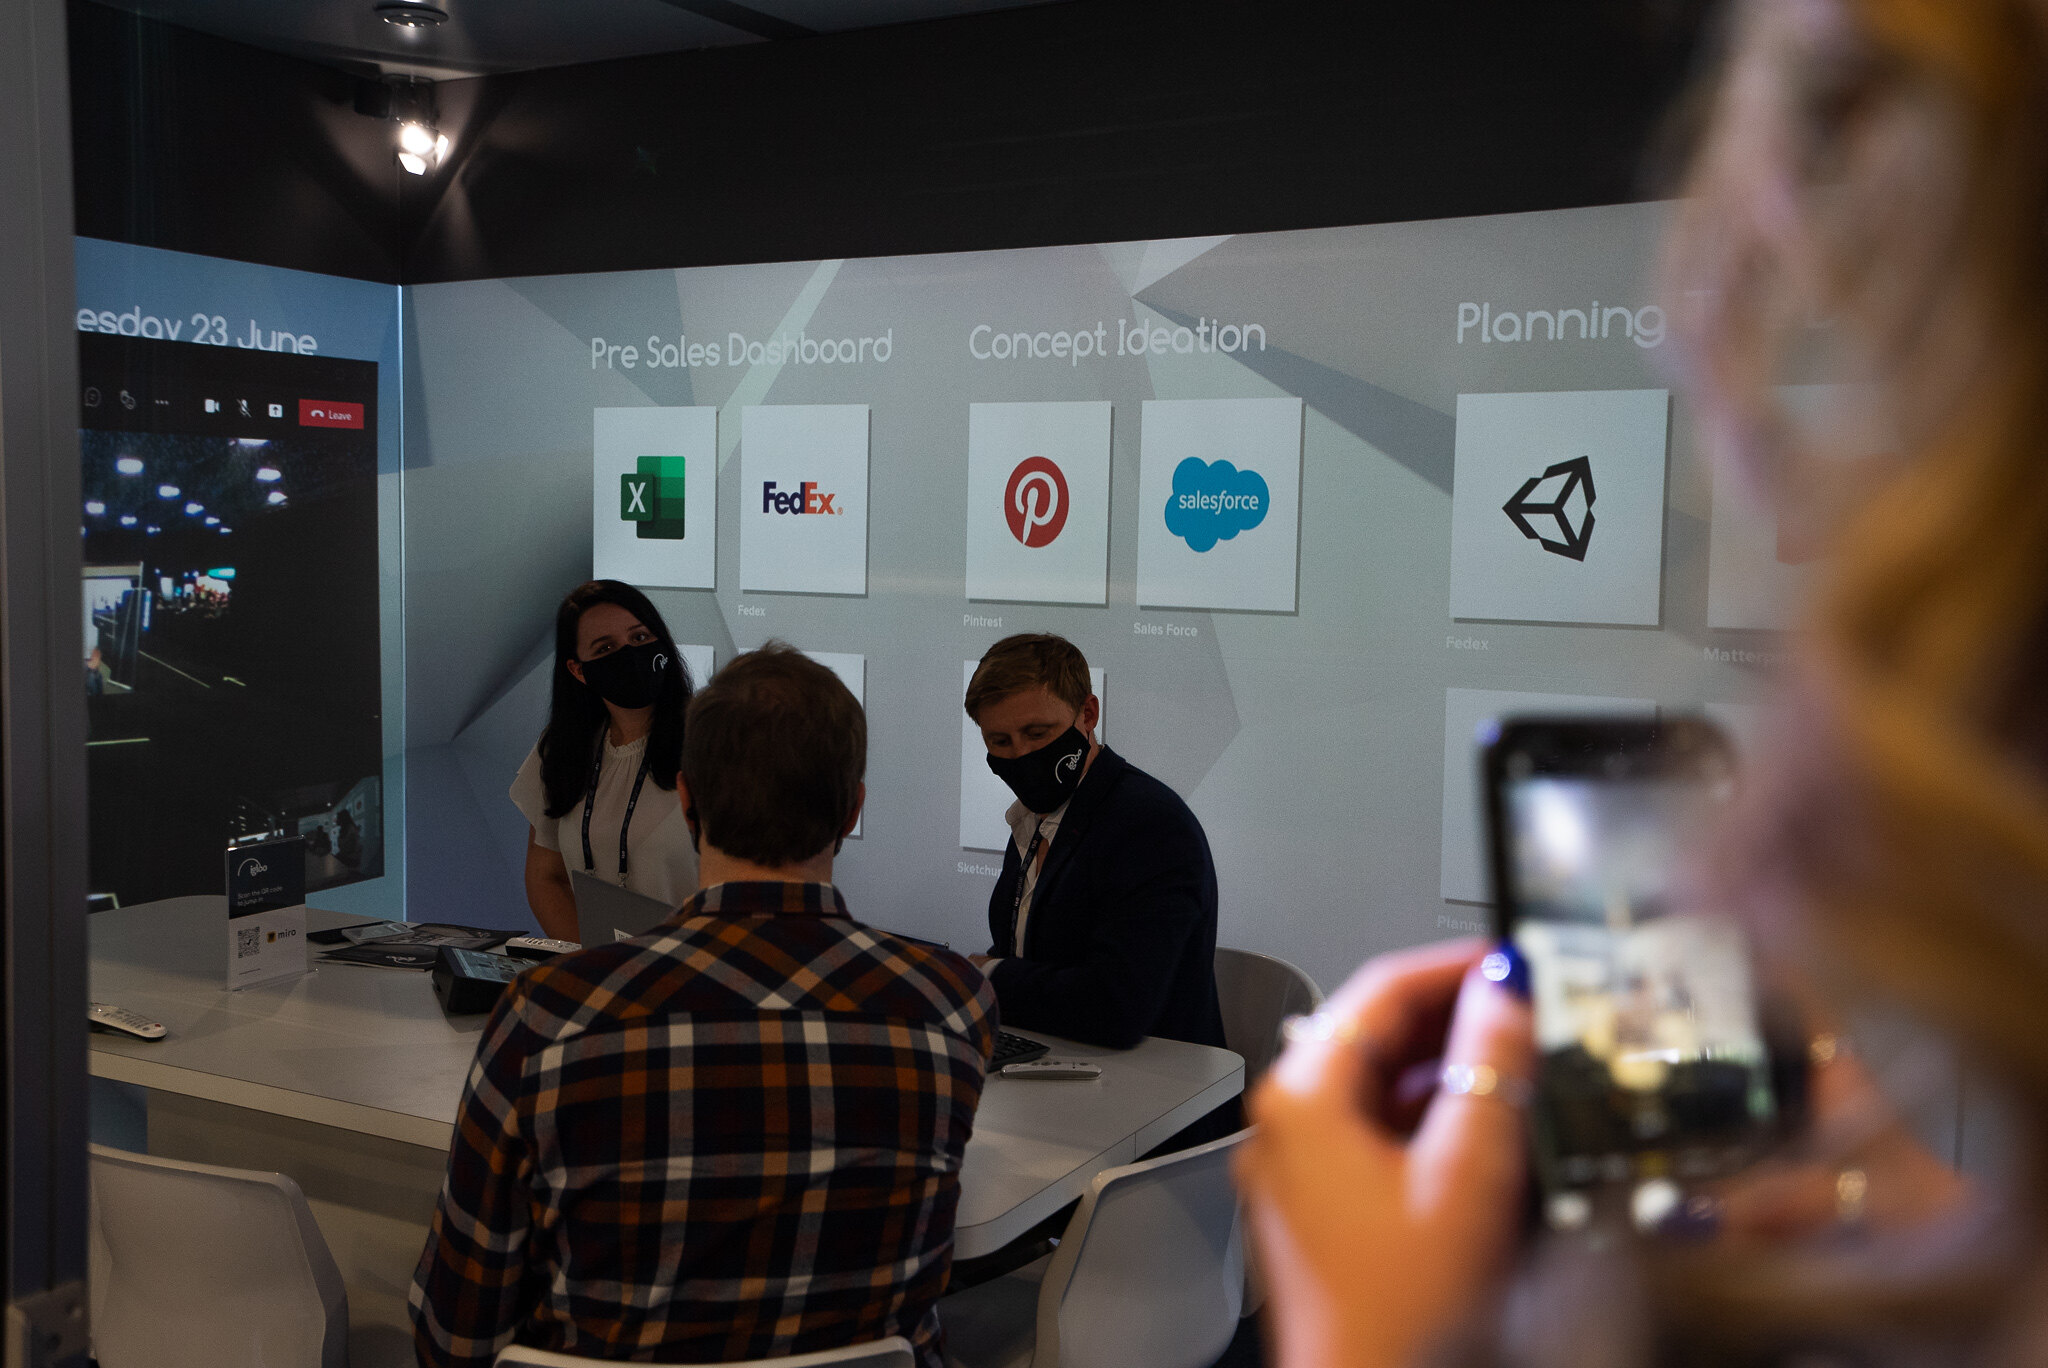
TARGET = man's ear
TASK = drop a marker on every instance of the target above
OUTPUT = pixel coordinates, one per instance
(688, 803)
(1091, 716)
(860, 800)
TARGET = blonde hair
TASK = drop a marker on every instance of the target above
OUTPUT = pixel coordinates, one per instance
(1030, 660)
(1873, 198)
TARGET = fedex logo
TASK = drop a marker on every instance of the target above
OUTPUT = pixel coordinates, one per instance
(805, 498)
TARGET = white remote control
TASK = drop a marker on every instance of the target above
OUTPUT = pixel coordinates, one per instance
(1052, 1068)
(538, 947)
(121, 1019)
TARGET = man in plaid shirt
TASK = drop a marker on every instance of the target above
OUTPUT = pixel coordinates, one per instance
(739, 1135)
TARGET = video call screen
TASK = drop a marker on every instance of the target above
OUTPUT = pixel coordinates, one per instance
(229, 629)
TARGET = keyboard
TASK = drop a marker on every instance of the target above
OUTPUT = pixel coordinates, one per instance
(1016, 1049)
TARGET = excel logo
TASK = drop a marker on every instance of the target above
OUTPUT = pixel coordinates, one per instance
(651, 498)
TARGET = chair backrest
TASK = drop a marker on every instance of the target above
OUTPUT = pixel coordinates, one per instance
(194, 1266)
(893, 1352)
(1150, 1273)
(1258, 992)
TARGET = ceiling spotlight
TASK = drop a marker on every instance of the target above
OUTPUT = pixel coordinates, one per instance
(127, 520)
(129, 465)
(195, 508)
(277, 496)
(154, 529)
(95, 507)
(167, 491)
(410, 16)
(227, 529)
(420, 146)
(268, 473)
(212, 521)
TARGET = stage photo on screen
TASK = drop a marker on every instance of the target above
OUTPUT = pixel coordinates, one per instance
(230, 625)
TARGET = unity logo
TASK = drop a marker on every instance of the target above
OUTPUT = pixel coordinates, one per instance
(1213, 502)
(1035, 501)
(1569, 508)
(651, 498)
(804, 499)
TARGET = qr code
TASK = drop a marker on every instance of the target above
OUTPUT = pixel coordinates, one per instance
(248, 941)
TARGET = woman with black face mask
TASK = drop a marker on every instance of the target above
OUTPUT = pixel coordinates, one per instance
(598, 788)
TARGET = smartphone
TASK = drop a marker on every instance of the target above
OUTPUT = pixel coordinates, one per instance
(1654, 1073)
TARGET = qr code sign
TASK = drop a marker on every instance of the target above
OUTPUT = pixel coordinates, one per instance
(248, 941)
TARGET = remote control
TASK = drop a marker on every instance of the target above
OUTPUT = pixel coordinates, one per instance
(1052, 1068)
(538, 947)
(120, 1019)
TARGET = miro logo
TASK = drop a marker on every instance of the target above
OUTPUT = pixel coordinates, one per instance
(1035, 501)
(1214, 502)
(651, 498)
(805, 498)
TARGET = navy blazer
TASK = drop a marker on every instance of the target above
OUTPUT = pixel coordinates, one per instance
(1121, 940)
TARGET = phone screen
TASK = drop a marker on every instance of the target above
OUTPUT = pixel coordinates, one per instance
(1653, 1073)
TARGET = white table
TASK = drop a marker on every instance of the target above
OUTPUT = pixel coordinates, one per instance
(348, 1078)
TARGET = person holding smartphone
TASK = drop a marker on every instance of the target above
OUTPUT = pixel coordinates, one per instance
(1870, 196)
(598, 788)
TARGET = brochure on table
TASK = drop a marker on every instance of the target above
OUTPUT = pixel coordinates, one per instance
(266, 911)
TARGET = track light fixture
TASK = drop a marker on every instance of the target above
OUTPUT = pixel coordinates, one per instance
(408, 102)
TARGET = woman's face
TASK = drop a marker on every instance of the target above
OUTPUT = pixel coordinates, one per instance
(604, 628)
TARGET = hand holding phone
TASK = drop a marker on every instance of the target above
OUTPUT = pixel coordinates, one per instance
(1383, 1206)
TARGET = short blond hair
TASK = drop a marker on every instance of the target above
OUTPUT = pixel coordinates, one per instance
(1030, 660)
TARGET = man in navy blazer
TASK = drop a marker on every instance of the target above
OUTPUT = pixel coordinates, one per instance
(1103, 924)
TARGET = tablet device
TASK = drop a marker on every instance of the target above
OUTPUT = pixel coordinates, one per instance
(606, 912)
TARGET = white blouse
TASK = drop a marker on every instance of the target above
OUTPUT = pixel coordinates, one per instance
(660, 861)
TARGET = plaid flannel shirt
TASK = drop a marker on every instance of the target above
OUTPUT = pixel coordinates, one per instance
(737, 1136)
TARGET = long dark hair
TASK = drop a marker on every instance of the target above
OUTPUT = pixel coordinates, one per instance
(576, 715)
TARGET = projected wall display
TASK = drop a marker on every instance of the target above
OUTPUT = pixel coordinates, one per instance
(1225, 477)
(1557, 506)
(231, 615)
(654, 496)
(804, 498)
(1038, 502)
(1292, 491)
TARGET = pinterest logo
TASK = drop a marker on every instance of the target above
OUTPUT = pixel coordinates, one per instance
(1035, 501)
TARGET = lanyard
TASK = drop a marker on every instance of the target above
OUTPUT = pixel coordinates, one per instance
(1023, 870)
(633, 801)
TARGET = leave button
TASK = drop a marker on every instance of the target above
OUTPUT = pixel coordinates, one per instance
(328, 413)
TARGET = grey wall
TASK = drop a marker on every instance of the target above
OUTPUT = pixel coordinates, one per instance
(1311, 743)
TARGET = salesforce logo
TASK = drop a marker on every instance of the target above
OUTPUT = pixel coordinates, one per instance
(1213, 502)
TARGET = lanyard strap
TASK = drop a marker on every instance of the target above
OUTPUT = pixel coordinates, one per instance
(1024, 872)
(632, 801)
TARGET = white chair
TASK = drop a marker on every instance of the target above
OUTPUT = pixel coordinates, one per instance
(194, 1266)
(1258, 992)
(893, 1352)
(1150, 1274)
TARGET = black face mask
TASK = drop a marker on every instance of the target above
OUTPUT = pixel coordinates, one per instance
(632, 676)
(1047, 776)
